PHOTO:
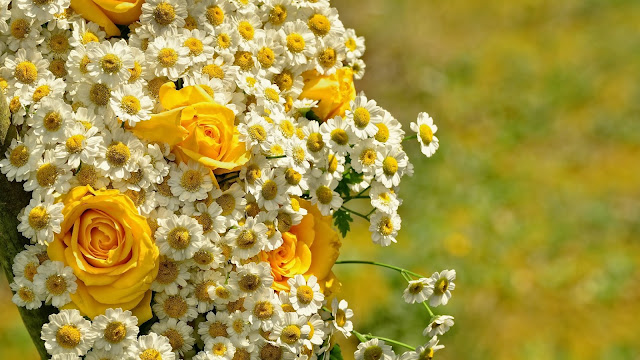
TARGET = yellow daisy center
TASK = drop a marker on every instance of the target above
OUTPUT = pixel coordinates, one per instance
(244, 60)
(135, 72)
(191, 180)
(416, 288)
(19, 156)
(57, 68)
(295, 42)
(324, 194)
(39, 218)
(266, 57)
(74, 144)
(383, 133)
(203, 257)
(426, 134)
(168, 271)
(110, 64)
(56, 285)
(167, 57)
(179, 238)
(373, 353)
(385, 226)
(87, 175)
(351, 44)
(224, 40)
(390, 166)
(115, 332)
(190, 23)
(340, 137)
(26, 72)
(164, 13)
(100, 94)
(155, 84)
(315, 142)
(328, 58)
(68, 336)
(284, 222)
(52, 121)
(59, 44)
(84, 62)
(286, 128)
(290, 334)
(214, 71)
(175, 306)
(361, 117)
(118, 154)
(292, 177)
(368, 157)
(47, 175)
(175, 338)
(150, 354)
(219, 349)
(257, 133)
(246, 30)
(441, 286)
(246, 239)
(14, 104)
(20, 28)
(341, 317)
(30, 270)
(88, 37)
(215, 15)
(195, 46)
(263, 310)
(249, 283)
(319, 24)
(269, 190)
(284, 80)
(26, 294)
(41, 92)
(304, 294)
(130, 104)
(278, 15)
(227, 202)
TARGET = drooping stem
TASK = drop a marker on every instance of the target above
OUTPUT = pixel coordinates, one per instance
(366, 337)
(366, 217)
(396, 268)
(410, 137)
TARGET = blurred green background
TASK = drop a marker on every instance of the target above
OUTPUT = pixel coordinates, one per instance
(534, 195)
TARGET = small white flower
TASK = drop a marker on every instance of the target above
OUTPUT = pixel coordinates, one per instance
(425, 128)
(323, 195)
(164, 17)
(54, 283)
(384, 199)
(418, 290)
(305, 295)
(384, 227)
(130, 104)
(81, 145)
(190, 182)
(217, 325)
(391, 164)
(265, 309)
(41, 219)
(172, 274)
(181, 306)
(291, 331)
(298, 41)
(178, 332)
(425, 351)
(239, 325)
(438, 326)
(374, 346)
(442, 286)
(220, 348)
(202, 282)
(67, 332)
(110, 62)
(116, 330)
(25, 294)
(363, 117)
(337, 135)
(251, 278)
(247, 240)
(25, 265)
(179, 237)
(21, 159)
(151, 346)
(51, 120)
(232, 201)
(342, 317)
(167, 57)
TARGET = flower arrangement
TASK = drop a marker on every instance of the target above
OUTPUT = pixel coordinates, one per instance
(190, 165)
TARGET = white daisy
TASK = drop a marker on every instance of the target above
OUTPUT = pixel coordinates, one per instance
(220, 348)
(181, 306)
(239, 325)
(109, 62)
(329, 55)
(116, 330)
(25, 265)
(251, 278)
(85, 32)
(179, 237)
(438, 326)
(82, 145)
(171, 276)
(442, 286)
(164, 17)
(364, 156)
(51, 176)
(21, 158)
(41, 219)
(232, 201)
(384, 227)
(264, 309)
(389, 131)
(268, 51)
(42, 11)
(47, 86)
(299, 42)
(374, 346)
(291, 331)
(51, 120)
(425, 128)
(67, 332)
(208, 257)
(342, 317)
(354, 44)
(363, 116)
(247, 240)
(316, 333)
(391, 164)
(24, 32)
(305, 295)
(119, 156)
(199, 44)
(418, 290)
(323, 195)
(167, 57)
(25, 294)
(217, 325)
(425, 351)
(384, 199)
(130, 104)
(190, 182)
(54, 283)
(152, 346)
(337, 135)
(178, 332)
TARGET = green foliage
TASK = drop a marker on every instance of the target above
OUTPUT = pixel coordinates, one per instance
(342, 220)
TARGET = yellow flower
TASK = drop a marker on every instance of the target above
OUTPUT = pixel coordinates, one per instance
(108, 245)
(107, 13)
(334, 92)
(309, 248)
(197, 128)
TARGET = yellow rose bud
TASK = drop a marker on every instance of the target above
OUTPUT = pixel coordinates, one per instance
(108, 245)
(309, 248)
(197, 128)
(334, 92)
(107, 13)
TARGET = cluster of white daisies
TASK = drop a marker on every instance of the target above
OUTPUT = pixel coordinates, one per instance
(71, 91)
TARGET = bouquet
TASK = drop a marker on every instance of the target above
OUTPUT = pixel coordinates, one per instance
(189, 167)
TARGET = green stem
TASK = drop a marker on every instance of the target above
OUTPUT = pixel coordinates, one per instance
(276, 156)
(229, 178)
(366, 217)
(410, 137)
(387, 340)
(396, 268)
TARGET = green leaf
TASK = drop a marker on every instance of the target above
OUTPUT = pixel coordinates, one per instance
(336, 353)
(342, 219)
(312, 116)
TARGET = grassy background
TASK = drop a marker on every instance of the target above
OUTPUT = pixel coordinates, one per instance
(534, 194)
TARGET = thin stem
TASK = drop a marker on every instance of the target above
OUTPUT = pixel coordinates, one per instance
(229, 178)
(359, 195)
(355, 213)
(387, 340)
(396, 268)
(276, 156)
(410, 137)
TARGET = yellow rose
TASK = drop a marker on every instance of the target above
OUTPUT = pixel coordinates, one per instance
(334, 92)
(309, 248)
(108, 245)
(107, 13)
(197, 128)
